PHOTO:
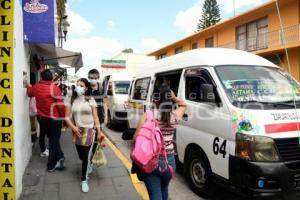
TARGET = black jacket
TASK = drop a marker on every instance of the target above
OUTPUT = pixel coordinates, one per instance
(98, 96)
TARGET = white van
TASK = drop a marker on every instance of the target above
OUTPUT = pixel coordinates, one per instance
(241, 128)
(115, 98)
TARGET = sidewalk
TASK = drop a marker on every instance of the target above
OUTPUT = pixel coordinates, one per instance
(109, 182)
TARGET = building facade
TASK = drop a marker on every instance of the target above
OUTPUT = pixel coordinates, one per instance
(257, 31)
(18, 49)
(129, 63)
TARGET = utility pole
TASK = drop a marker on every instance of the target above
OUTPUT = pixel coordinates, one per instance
(233, 1)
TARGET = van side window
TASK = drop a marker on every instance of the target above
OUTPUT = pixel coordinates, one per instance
(110, 90)
(141, 89)
(193, 84)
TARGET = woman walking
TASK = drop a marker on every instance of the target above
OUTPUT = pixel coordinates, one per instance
(157, 182)
(81, 117)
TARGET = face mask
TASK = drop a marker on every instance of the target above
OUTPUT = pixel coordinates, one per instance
(79, 90)
(93, 81)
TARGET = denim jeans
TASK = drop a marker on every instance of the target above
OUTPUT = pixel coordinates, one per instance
(157, 182)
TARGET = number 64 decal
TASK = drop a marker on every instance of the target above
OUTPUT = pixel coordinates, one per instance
(217, 148)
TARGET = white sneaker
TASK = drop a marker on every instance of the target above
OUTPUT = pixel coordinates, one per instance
(84, 186)
(45, 153)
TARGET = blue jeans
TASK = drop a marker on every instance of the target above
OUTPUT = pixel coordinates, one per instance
(157, 182)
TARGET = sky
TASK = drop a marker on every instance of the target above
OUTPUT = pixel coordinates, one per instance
(101, 29)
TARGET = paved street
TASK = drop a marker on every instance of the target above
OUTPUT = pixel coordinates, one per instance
(109, 182)
(178, 189)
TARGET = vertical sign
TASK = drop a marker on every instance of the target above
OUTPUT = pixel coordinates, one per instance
(7, 164)
(38, 25)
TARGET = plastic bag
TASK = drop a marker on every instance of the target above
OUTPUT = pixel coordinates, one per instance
(99, 158)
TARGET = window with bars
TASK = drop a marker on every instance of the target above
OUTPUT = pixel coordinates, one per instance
(195, 45)
(252, 36)
(209, 42)
(178, 50)
(161, 56)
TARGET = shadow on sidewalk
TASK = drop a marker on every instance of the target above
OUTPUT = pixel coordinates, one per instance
(108, 182)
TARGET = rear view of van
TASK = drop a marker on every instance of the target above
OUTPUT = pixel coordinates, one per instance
(116, 89)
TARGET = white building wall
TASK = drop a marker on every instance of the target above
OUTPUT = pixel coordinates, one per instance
(22, 134)
(133, 62)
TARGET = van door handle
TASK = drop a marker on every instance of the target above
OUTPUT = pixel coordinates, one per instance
(185, 117)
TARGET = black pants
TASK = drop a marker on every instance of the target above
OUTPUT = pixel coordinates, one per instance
(52, 129)
(43, 133)
(84, 153)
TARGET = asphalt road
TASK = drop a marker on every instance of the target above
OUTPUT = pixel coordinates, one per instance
(179, 189)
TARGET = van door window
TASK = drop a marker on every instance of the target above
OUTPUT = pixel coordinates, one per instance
(110, 90)
(194, 79)
(141, 89)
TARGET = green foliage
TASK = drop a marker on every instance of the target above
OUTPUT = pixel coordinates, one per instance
(210, 14)
(129, 50)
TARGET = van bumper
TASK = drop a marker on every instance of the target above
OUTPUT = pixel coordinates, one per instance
(120, 116)
(263, 178)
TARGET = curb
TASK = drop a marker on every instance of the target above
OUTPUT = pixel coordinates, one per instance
(138, 185)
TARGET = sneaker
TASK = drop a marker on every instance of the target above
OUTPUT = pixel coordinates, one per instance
(84, 186)
(61, 164)
(45, 153)
(55, 167)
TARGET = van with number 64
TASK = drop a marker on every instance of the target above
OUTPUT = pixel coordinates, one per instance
(241, 128)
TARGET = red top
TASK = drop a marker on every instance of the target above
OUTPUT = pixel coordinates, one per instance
(49, 101)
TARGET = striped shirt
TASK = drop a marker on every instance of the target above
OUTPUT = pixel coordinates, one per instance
(168, 131)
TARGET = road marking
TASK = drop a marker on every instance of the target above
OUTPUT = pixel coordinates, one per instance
(139, 186)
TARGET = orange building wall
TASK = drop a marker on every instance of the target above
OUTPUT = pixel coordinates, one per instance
(294, 57)
(225, 33)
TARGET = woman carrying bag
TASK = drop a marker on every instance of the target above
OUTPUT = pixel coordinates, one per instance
(81, 117)
(157, 182)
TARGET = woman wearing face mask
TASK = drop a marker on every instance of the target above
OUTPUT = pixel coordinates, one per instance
(81, 117)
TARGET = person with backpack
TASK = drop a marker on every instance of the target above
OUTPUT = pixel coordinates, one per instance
(166, 120)
(82, 118)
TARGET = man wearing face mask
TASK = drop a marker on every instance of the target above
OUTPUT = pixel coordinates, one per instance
(97, 93)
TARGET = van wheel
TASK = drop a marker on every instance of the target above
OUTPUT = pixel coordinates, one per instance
(198, 173)
(109, 120)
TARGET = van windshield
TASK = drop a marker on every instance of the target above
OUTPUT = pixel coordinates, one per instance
(121, 87)
(257, 84)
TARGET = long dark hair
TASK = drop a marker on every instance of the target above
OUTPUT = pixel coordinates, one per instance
(87, 93)
(162, 99)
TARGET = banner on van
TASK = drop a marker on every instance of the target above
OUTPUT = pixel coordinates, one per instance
(114, 64)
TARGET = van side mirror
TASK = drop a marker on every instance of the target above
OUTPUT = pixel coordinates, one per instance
(207, 93)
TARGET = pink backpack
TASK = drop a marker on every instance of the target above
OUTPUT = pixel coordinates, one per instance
(149, 145)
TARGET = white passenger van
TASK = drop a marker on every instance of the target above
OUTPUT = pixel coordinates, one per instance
(241, 128)
(115, 97)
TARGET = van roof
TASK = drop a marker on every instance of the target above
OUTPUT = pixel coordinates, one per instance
(204, 56)
(121, 76)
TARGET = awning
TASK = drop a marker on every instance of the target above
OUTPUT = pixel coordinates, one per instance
(55, 56)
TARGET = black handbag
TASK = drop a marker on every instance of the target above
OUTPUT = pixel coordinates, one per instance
(138, 171)
(128, 134)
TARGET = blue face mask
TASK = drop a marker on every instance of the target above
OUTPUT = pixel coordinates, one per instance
(93, 81)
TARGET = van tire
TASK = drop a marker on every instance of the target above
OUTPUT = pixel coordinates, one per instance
(195, 166)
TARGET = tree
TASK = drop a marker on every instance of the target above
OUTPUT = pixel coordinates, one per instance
(210, 14)
(129, 50)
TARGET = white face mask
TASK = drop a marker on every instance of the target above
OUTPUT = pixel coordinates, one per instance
(93, 81)
(80, 90)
